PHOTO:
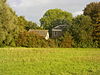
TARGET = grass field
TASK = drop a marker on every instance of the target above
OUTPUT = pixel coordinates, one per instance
(43, 61)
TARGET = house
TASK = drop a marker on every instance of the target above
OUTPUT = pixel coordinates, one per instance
(43, 33)
(58, 31)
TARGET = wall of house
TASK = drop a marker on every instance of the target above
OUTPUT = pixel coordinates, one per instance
(47, 36)
(56, 34)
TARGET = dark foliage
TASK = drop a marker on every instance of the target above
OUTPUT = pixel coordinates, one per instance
(30, 39)
(66, 41)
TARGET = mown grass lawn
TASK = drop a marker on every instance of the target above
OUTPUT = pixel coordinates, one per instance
(49, 61)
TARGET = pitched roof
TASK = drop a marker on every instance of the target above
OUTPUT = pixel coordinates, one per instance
(59, 28)
(40, 32)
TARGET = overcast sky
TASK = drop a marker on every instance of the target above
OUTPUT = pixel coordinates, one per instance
(34, 9)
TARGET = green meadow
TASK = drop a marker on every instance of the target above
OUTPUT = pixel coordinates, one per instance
(49, 61)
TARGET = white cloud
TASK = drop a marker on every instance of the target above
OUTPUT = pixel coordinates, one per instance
(27, 3)
(77, 13)
(34, 9)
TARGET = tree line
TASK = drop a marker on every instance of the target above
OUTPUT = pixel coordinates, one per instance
(82, 31)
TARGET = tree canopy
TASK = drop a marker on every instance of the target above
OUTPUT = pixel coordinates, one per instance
(8, 25)
(93, 10)
(81, 31)
(11, 25)
(26, 25)
(54, 17)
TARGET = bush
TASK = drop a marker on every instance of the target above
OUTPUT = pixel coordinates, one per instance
(65, 41)
(30, 39)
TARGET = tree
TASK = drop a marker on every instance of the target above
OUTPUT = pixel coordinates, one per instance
(96, 32)
(93, 10)
(26, 25)
(31, 25)
(81, 31)
(54, 17)
(8, 25)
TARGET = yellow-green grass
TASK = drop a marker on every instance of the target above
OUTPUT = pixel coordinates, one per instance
(49, 61)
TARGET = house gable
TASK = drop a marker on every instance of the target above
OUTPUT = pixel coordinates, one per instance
(43, 33)
(58, 31)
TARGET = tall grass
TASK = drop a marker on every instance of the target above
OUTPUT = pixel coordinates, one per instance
(49, 61)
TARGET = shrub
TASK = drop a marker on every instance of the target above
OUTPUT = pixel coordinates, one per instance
(65, 41)
(30, 39)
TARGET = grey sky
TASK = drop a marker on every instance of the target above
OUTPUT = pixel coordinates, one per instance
(34, 9)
